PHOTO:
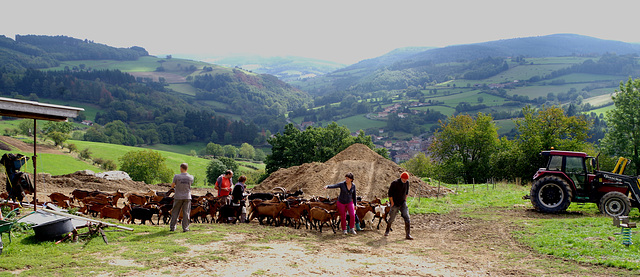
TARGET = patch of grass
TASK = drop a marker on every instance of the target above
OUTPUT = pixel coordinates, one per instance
(54, 164)
(360, 122)
(585, 238)
(469, 198)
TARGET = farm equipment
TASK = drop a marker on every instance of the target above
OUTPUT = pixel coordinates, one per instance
(576, 177)
(18, 183)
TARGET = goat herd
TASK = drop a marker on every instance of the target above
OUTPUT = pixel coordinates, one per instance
(279, 208)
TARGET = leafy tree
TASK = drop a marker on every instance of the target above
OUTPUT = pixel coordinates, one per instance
(246, 151)
(230, 151)
(72, 147)
(623, 136)
(214, 149)
(260, 155)
(26, 127)
(57, 131)
(545, 129)
(230, 164)
(85, 154)
(464, 145)
(214, 169)
(62, 127)
(505, 160)
(146, 165)
(420, 165)
(315, 144)
(58, 137)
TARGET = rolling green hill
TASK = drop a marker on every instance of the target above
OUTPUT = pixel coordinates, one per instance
(60, 164)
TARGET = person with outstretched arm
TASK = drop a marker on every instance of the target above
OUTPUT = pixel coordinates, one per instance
(346, 202)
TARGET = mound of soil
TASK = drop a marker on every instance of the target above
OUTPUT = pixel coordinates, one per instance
(373, 175)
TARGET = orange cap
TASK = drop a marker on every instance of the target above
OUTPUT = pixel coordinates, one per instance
(404, 175)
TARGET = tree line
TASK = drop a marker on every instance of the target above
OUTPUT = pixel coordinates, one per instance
(132, 113)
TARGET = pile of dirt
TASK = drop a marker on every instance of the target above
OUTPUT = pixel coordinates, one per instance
(373, 175)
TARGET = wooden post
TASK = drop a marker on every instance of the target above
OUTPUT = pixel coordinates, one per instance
(35, 166)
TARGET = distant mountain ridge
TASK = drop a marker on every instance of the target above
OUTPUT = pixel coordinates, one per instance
(542, 46)
(392, 70)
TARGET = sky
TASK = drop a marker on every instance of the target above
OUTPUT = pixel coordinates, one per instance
(341, 31)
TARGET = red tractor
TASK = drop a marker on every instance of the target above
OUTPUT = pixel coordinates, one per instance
(567, 179)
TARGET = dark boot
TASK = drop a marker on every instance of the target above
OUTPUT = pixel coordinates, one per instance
(386, 233)
(407, 229)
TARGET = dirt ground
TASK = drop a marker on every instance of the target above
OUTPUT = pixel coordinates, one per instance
(444, 245)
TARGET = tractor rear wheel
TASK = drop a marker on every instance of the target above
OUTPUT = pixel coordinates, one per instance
(551, 194)
(615, 204)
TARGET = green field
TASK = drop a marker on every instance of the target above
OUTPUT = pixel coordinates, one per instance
(523, 72)
(54, 164)
(143, 64)
(180, 149)
(183, 88)
(505, 125)
(448, 111)
(360, 122)
(603, 109)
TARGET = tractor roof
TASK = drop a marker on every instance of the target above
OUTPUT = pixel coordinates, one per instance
(564, 153)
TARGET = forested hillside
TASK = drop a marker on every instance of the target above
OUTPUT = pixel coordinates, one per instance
(146, 108)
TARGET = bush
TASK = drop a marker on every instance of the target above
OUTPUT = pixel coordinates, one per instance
(215, 169)
(147, 166)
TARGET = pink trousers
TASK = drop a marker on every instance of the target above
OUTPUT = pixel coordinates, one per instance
(342, 211)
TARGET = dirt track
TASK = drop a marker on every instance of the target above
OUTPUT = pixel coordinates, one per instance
(445, 245)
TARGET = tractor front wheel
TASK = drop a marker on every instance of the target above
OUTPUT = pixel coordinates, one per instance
(615, 204)
(551, 194)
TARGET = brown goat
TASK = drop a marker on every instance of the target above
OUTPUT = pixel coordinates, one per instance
(112, 212)
(295, 213)
(137, 199)
(60, 199)
(267, 210)
(321, 216)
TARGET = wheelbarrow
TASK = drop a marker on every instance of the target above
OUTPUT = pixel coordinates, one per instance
(6, 225)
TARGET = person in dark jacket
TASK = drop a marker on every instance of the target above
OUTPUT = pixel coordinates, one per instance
(346, 202)
(398, 192)
(237, 195)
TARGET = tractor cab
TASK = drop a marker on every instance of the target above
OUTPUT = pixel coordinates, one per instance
(577, 168)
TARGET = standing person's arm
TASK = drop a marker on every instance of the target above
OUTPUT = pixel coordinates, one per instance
(390, 193)
(406, 194)
(332, 186)
(353, 197)
(218, 181)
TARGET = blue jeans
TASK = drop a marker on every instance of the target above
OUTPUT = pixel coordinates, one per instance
(404, 212)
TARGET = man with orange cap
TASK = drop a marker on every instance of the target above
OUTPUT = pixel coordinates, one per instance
(398, 192)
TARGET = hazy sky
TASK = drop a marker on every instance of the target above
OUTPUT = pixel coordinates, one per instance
(342, 31)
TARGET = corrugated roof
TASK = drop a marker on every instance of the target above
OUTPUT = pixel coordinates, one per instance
(36, 110)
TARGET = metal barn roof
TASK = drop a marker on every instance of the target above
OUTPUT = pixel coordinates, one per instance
(36, 110)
